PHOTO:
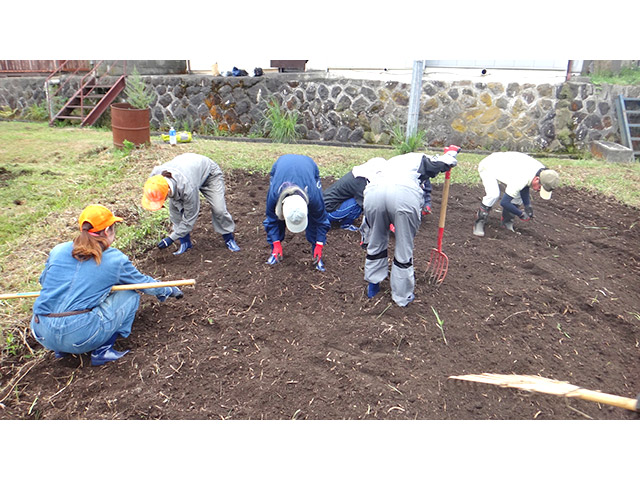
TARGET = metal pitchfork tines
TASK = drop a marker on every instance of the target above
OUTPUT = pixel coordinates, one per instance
(439, 262)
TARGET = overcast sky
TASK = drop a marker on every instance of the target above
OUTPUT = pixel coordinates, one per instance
(330, 33)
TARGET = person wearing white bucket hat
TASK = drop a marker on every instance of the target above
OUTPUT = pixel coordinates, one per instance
(519, 173)
(295, 203)
(294, 211)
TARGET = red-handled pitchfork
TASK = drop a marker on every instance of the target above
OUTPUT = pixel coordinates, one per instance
(439, 262)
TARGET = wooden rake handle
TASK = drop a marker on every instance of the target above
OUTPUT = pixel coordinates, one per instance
(445, 198)
(443, 208)
(115, 288)
(534, 383)
(606, 398)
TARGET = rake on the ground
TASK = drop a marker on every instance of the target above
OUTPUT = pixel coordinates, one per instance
(132, 286)
(439, 262)
(534, 383)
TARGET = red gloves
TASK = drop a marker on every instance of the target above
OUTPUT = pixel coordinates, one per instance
(452, 150)
(277, 249)
(317, 257)
(426, 210)
(317, 252)
(276, 254)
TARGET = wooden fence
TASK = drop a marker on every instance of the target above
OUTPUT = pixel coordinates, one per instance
(32, 67)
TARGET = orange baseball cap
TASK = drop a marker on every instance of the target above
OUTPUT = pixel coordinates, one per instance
(99, 217)
(155, 192)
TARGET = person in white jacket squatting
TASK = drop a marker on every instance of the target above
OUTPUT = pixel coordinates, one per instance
(519, 173)
(396, 196)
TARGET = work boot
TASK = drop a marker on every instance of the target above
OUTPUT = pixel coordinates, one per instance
(373, 289)
(507, 220)
(106, 353)
(230, 241)
(350, 227)
(185, 244)
(57, 354)
(481, 218)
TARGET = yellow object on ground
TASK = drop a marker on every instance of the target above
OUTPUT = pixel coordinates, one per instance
(181, 137)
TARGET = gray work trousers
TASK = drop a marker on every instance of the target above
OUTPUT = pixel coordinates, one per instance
(398, 205)
(213, 191)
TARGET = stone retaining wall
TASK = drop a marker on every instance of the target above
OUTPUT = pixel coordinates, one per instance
(491, 116)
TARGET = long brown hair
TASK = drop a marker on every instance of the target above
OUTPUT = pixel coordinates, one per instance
(89, 245)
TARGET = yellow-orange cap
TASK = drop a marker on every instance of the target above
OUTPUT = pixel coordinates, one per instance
(155, 192)
(99, 217)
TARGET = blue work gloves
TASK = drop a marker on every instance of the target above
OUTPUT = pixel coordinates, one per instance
(185, 244)
(174, 292)
(164, 243)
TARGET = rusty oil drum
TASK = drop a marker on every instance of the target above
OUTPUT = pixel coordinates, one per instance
(128, 123)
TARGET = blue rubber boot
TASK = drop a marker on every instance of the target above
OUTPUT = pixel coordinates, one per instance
(350, 227)
(60, 354)
(106, 353)
(373, 290)
(185, 244)
(231, 242)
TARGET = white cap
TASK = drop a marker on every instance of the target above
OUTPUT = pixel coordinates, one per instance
(549, 180)
(294, 210)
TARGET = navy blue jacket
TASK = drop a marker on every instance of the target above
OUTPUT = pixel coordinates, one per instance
(301, 171)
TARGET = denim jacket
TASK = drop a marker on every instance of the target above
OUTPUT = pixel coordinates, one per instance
(69, 284)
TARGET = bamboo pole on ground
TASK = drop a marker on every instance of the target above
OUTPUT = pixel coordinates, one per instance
(132, 286)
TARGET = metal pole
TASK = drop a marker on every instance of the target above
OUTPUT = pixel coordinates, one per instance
(414, 99)
(569, 69)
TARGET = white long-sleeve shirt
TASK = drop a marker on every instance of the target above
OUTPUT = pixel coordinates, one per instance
(515, 170)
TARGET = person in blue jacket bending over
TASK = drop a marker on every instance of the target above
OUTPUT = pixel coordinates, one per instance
(295, 202)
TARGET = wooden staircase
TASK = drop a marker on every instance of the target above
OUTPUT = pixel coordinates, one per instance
(628, 110)
(97, 90)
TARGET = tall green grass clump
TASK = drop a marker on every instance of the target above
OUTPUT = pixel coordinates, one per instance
(405, 144)
(280, 123)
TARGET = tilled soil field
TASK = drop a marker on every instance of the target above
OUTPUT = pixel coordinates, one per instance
(559, 299)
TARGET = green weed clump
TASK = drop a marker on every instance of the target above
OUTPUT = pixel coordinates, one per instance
(404, 143)
(37, 112)
(626, 76)
(7, 112)
(280, 123)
